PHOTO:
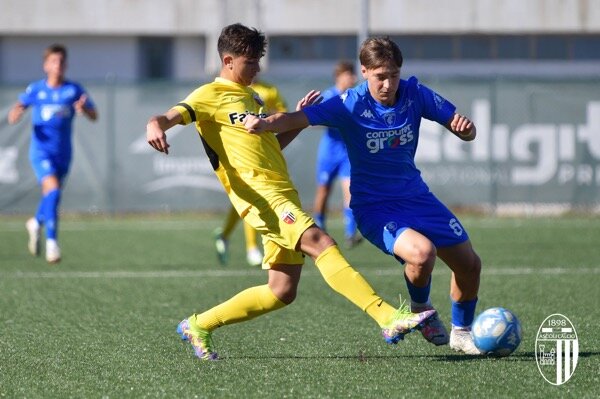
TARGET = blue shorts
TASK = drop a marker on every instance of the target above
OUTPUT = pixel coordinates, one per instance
(48, 165)
(381, 223)
(332, 161)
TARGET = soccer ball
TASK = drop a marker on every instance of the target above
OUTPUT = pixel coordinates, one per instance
(496, 332)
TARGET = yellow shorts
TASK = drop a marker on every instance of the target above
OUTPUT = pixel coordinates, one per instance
(281, 221)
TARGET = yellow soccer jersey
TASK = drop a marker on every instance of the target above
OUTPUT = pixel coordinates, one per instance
(251, 167)
(271, 97)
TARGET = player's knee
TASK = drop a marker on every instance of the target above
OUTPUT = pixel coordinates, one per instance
(314, 241)
(423, 259)
(286, 294)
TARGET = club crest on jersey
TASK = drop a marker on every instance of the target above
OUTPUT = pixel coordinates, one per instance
(288, 217)
(391, 227)
(258, 100)
(390, 118)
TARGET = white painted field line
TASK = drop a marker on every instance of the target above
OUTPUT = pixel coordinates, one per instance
(392, 271)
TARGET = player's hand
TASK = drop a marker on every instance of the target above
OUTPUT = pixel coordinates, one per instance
(79, 104)
(156, 137)
(15, 114)
(254, 124)
(461, 125)
(311, 98)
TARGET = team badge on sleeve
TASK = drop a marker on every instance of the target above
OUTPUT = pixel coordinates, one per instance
(288, 217)
(258, 100)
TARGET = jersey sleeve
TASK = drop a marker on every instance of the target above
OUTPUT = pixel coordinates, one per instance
(435, 107)
(27, 98)
(328, 113)
(197, 106)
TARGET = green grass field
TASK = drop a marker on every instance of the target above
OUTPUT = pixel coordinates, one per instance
(102, 323)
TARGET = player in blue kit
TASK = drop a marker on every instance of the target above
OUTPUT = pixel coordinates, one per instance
(333, 162)
(54, 102)
(379, 121)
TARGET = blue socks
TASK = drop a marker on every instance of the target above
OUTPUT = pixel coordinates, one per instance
(47, 213)
(418, 294)
(463, 313)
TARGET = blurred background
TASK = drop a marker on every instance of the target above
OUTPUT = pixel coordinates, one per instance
(527, 72)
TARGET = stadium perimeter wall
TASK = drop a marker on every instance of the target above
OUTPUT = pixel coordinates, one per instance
(537, 150)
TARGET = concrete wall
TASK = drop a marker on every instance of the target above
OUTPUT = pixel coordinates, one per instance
(204, 17)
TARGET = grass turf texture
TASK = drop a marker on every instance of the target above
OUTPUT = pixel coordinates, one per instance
(102, 322)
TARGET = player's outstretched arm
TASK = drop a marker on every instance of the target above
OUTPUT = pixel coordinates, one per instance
(15, 113)
(158, 125)
(312, 97)
(462, 127)
(80, 108)
(287, 124)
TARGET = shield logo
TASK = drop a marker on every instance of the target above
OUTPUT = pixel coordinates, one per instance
(288, 217)
(258, 100)
(390, 118)
(556, 349)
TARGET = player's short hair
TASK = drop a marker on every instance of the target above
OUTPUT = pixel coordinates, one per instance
(55, 49)
(378, 51)
(342, 67)
(239, 40)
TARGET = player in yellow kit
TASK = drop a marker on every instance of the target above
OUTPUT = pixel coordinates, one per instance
(255, 177)
(273, 102)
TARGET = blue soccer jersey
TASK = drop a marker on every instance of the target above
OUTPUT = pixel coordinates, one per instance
(52, 117)
(382, 139)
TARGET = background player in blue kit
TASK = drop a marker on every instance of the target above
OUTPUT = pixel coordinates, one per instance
(379, 121)
(55, 101)
(333, 162)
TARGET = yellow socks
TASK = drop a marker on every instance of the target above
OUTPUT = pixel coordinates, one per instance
(345, 280)
(246, 305)
(336, 271)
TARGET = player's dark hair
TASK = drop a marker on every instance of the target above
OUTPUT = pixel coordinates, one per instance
(239, 40)
(378, 51)
(343, 67)
(55, 49)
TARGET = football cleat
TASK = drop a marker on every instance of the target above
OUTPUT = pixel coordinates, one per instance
(222, 247)
(33, 228)
(52, 251)
(403, 322)
(462, 341)
(433, 329)
(201, 340)
(254, 257)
